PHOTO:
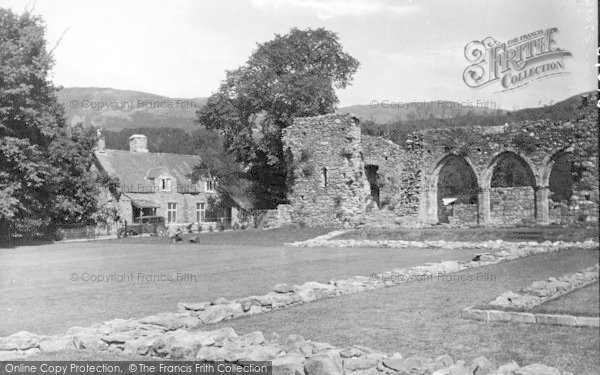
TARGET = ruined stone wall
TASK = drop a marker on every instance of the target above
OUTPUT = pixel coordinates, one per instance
(463, 214)
(399, 183)
(406, 175)
(512, 205)
(537, 144)
(329, 185)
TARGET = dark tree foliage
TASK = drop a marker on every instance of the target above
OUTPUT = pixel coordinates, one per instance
(45, 174)
(169, 140)
(293, 75)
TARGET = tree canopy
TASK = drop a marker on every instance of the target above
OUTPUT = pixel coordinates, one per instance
(293, 75)
(45, 164)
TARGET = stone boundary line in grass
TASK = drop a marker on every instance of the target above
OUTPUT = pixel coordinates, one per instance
(530, 318)
(329, 241)
(293, 356)
(543, 291)
(191, 316)
(536, 294)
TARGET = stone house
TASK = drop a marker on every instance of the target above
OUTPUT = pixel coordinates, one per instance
(156, 184)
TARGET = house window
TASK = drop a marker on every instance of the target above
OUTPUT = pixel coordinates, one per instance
(165, 184)
(171, 212)
(209, 186)
(200, 213)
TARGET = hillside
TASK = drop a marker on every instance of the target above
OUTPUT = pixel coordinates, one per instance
(384, 113)
(123, 109)
(571, 109)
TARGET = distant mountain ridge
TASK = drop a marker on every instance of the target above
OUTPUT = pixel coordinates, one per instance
(387, 111)
(114, 110)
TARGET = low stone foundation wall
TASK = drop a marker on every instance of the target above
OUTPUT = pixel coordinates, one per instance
(292, 356)
(530, 318)
(539, 292)
(544, 291)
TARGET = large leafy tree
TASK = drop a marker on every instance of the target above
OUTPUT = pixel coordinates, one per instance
(293, 75)
(45, 164)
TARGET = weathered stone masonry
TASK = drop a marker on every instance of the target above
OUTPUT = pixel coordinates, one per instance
(328, 171)
(343, 177)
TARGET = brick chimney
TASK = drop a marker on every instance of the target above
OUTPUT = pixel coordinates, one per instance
(138, 143)
(101, 145)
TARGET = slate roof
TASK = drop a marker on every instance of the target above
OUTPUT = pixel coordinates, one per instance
(133, 168)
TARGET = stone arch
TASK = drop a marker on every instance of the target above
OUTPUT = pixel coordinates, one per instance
(549, 162)
(452, 176)
(434, 171)
(488, 173)
(510, 185)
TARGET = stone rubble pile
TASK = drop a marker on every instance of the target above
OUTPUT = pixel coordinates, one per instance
(293, 356)
(543, 291)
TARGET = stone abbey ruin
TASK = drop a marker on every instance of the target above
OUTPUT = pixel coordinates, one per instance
(533, 172)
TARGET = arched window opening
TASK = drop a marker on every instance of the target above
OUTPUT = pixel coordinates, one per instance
(512, 171)
(512, 193)
(457, 190)
(371, 172)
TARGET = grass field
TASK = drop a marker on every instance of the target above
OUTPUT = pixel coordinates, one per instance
(424, 318)
(38, 295)
(580, 302)
(413, 319)
(555, 233)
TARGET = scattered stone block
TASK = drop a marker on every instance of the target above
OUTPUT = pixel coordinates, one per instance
(289, 364)
(360, 363)
(19, 341)
(283, 288)
(190, 306)
(323, 364)
(52, 344)
(253, 338)
(217, 313)
(169, 321)
(536, 369)
(482, 366)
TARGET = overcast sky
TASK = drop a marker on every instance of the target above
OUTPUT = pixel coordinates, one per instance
(408, 50)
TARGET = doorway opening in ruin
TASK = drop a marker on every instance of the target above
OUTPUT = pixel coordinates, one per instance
(371, 171)
(561, 178)
(512, 193)
(457, 190)
(560, 183)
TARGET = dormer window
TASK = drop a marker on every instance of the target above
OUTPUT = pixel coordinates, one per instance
(165, 184)
(209, 186)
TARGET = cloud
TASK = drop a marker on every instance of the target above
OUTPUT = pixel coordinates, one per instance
(327, 9)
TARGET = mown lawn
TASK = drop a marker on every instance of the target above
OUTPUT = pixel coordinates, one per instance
(37, 294)
(424, 318)
(584, 302)
(552, 233)
(254, 237)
